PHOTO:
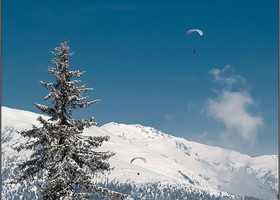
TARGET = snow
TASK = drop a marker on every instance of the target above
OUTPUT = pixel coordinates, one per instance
(170, 160)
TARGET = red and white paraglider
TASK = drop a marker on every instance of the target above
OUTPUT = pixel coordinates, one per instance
(191, 31)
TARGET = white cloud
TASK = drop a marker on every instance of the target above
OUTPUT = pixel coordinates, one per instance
(220, 76)
(242, 183)
(231, 107)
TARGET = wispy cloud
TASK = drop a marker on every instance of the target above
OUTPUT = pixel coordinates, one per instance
(183, 78)
(203, 138)
(231, 107)
(170, 117)
(221, 77)
(119, 7)
(243, 183)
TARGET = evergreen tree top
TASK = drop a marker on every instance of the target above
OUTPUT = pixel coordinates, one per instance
(65, 95)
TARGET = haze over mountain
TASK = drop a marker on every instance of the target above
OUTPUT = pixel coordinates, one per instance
(175, 168)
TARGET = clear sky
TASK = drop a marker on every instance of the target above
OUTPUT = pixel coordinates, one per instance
(139, 63)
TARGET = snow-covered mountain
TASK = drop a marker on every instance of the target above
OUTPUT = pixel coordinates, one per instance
(175, 168)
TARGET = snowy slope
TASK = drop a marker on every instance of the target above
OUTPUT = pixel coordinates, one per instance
(174, 165)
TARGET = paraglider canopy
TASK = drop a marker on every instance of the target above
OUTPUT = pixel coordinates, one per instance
(141, 158)
(193, 30)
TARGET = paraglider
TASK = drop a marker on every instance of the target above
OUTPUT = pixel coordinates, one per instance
(191, 31)
(141, 158)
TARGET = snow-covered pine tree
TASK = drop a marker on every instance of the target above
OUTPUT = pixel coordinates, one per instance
(64, 158)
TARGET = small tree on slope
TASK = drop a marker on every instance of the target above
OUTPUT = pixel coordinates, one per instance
(63, 157)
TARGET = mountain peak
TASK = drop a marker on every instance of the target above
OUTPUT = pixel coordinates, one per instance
(134, 131)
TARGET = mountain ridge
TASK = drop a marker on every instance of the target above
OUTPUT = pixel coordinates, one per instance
(171, 160)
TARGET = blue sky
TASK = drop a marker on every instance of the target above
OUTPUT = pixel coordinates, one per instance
(139, 63)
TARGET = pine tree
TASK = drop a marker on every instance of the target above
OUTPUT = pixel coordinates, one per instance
(64, 158)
